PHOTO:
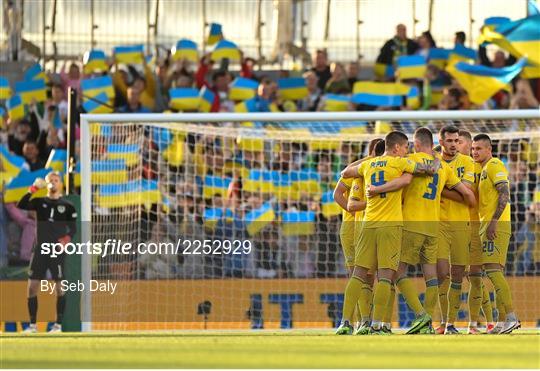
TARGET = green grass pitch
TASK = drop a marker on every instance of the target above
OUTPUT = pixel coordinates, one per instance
(267, 349)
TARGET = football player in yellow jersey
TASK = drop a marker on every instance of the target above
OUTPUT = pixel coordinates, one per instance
(495, 227)
(421, 201)
(454, 231)
(380, 240)
(479, 295)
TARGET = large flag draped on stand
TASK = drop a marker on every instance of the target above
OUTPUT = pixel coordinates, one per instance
(482, 82)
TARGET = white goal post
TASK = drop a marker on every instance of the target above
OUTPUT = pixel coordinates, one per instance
(194, 119)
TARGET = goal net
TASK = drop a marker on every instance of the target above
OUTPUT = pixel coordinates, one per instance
(227, 221)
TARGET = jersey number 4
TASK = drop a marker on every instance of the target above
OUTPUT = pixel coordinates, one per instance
(431, 192)
(377, 179)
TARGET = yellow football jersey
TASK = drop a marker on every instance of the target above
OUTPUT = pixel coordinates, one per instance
(358, 194)
(347, 182)
(493, 173)
(473, 211)
(422, 197)
(384, 210)
(457, 213)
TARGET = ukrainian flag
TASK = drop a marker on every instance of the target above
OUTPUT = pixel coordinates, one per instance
(215, 34)
(57, 160)
(94, 61)
(5, 90)
(482, 82)
(184, 99)
(336, 102)
(329, 207)
(413, 98)
(461, 53)
(133, 54)
(282, 187)
(11, 163)
(242, 89)
(185, 49)
(211, 216)
(259, 218)
(109, 172)
(411, 67)
(236, 167)
(207, 97)
(97, 85)
(298, 223)
(134, 192)
(307, 181)
(35, 72)
(128, 152)
(2, 114)
(386, 94)
(94, 105)
(531, 71)
(259, 181)
(225, 49)
(15, 107)
(438, 57)
(383, 70)
(31, 89)
(19, 185)
(215, 185)
(293, 88)
(249, 105)
(521, 38)
(77, 174)
(174, 152)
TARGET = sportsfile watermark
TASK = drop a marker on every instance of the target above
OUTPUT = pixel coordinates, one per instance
(119, 247)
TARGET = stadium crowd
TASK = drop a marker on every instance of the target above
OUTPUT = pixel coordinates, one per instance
(145, 88)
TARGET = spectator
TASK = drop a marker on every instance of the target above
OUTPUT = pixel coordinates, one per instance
(28, 229)
(311, 102)
(459, 38)
(19, 131)
(133, 102)
(321, 68)
(31, 154)
(58, 100)
(452, 99)
(338, 83)
(425, 42)
(71, 79)
(397, 46)
(353, 70)
(523, 97)
(499, 60)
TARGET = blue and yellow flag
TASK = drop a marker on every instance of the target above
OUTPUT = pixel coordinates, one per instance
(530, 71)
(413, 98)
(292, 88)
(97, 85)
(385, 94)
(35, 72)
(384, 70)
(2, 115)
(249, 105)
(259, 218)
(184, 99)
(482, 82)
(109, 171)
(94, 61)
(185, 49)
(12, 163)
(225, 49)
(18, 186)
(15, 107)
(215, 34)
(259, 180)
(134, 192)
(31, 89)
(242, 89)
(329, 207)
(462, 53)
(211, 216)
(207, 97)
(438, 57)
(133, 54)
(215, 185)
(57, 160)
(411, 67)
(130, 153)
(306, 181)
(98, 104)
(336, 102)
(5, 90)
(520, 38)
(298, 223)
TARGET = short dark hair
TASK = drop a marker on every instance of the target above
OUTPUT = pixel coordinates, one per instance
(465, 133)
(450, 129)
(425, 136)
(460, 35)
(218, 74)
(484, 137)
(379, 148)
(393, 138)
(373, 143)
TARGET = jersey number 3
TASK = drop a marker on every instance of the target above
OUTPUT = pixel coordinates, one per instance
(431, 192)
